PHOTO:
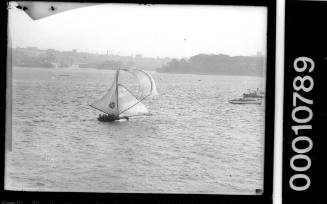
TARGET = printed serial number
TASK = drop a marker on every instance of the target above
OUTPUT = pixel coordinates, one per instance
(301, 115)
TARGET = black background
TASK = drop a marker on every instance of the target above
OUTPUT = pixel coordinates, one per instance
(306, 35)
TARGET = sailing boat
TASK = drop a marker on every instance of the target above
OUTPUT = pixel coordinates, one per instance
(119, 102)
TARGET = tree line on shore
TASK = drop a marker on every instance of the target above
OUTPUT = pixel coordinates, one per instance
(217, 64)
(198, 64)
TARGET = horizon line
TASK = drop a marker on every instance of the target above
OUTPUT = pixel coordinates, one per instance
(259, 53)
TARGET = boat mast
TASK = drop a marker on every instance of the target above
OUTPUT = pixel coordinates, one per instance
(117, 75)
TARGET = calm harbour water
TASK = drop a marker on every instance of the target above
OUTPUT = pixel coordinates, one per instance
(194, 141)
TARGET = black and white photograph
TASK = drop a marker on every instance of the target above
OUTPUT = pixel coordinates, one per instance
(134, 98)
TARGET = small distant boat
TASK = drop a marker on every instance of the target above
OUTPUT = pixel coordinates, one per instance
(252, 97)
(254, 94)
(64, 75)
(245, 101)
(121, 103)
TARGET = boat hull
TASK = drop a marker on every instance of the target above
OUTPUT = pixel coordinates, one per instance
(111, 121)
(107, 118)
(245, 101)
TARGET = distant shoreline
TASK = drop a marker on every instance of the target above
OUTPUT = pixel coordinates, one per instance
(151, 71)
(213, 74)
(217, 65)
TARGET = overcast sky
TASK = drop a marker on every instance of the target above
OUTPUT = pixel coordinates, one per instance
(153, 31)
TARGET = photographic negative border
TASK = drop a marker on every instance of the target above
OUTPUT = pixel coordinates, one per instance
(265, 197)
(305, 99)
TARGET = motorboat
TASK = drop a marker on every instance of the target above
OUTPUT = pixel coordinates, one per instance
(246, 101)
(254, 94)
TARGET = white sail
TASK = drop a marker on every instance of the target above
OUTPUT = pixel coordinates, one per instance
(147, 86)
(120, 101)
(128, 104)
(109, 102)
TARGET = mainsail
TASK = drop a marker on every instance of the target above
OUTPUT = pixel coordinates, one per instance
(109, 102)
(120, 101)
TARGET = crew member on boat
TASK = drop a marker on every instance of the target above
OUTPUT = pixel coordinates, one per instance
(111, 118)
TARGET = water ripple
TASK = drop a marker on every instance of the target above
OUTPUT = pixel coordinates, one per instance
(194, 141)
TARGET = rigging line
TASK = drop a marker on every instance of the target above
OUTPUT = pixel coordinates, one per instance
(139, 101)
(87, 107)
(128, 70)
(117, 74)
(127, 90)
(99, 109)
